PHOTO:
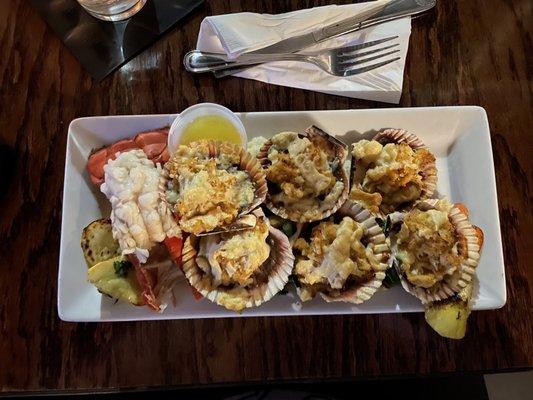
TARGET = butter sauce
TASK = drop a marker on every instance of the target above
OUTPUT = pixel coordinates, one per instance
(210, 127)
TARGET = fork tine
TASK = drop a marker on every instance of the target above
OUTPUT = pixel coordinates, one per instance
(349, 49)
(347, 64)
(356, 71)
(365, 53)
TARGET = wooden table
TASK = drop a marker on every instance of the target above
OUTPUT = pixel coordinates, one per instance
(466, 52)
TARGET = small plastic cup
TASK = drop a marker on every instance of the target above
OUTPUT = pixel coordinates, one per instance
(200, 110)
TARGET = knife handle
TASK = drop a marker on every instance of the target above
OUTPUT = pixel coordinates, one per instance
(346, 26)
(393, 10)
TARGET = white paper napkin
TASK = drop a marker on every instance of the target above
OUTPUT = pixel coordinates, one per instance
(239, 33)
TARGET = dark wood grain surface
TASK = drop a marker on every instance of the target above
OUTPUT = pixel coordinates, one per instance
(467, 52)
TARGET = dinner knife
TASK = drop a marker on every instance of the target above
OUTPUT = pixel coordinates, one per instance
(394, 10)
(295, 43)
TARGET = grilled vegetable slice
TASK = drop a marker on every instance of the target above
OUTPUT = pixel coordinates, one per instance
(97, 242)
(116, 278)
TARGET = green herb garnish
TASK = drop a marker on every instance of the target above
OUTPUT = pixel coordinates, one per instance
(294, 281)
(288, 228)
(122, 268)
(385, 225)
(391, 275)
(276, 221)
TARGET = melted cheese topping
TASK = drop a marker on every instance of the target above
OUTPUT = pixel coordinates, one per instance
(208, 192)
(370, 201)
(392, 173)
(233, 258)
(428, 247)
(333, 255)
(254, 145)
(139, 217)
(304, 172)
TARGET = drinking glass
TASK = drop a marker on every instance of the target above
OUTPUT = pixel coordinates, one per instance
(112, 10)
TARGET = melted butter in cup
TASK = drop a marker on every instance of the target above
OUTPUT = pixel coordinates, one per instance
(210, 127)
(206, 121)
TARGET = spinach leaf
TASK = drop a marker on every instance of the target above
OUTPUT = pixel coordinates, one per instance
(391, 275)
(122, 268)
(385, 225)
(288, 228)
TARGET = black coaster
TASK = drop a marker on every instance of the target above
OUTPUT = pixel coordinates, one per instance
(103, 46)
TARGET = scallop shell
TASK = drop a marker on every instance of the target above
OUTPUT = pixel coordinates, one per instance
(399, 136)
(471, 242)
(281, 260)
(364, 291)
(373, 231)
(341, 150)
(429, 173)
(248, 163)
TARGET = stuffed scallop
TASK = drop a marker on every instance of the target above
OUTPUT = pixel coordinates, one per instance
(343, 261)
(210, 184)
(306, 174)
(239, 269)
(437, 250)
(392, 171)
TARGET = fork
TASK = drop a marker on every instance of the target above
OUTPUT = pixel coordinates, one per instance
(342, 61)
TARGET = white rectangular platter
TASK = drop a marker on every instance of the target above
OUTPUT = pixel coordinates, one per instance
(458, 136)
